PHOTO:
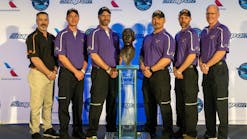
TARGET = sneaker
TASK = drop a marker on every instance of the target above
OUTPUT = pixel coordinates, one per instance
(79, 134)
(36, 136)
(51, 133)
(93, 137)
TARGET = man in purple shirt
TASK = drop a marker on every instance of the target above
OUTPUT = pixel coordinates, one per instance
(186, 82)
(214, 47)
(156, 55)
(103, 47)
(71, 50)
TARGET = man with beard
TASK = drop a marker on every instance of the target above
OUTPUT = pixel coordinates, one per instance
(103, 47)
(214, 47)
(43, 70)
(156, 55)
(71, 50)
(186, 82)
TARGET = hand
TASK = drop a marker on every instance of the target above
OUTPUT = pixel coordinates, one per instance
(79, 75)
(146, 72)
(204, 68)
(114, 73)
(51, 76)
(178, 74)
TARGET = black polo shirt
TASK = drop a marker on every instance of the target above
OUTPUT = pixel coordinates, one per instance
(42, 47)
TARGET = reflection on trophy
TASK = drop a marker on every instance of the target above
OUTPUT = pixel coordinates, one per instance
(127, 53)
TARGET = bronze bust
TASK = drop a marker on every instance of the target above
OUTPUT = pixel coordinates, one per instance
(127, 53)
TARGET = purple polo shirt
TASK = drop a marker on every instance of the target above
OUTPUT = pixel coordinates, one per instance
(107, 47)
(73, 47)
(215, 39)
(187, 42)
(157, 46)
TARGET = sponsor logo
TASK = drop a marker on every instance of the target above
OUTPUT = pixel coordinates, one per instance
(179, 1)
(75, 2)
(238, 35)
(88, 31)
(87, 104)
(18, 36)
(12, 73)
(143, 4)
(115, 6)
(10, 6)
(237, 105)
(219, 4)
(40, 5)
(20, 104)
(198, 31)
(199, 105)
(242, 71)
(243, 4)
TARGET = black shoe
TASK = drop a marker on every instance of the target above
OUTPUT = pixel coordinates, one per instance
(64, 136)
(51, 133)
(178, 134)
(78, 134)
(36, 136)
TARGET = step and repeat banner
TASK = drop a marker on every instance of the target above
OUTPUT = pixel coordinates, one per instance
(18, 20)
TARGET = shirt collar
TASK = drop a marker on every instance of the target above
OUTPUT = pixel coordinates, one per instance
(40, 33)
(188, 28)
(99, 27)
(161, 32)
(215, 26)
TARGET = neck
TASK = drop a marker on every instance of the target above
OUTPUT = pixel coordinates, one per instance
(73, 28)
(212, 25)
(44, 32)
(158, 30)
(105, 27)
(184, 28)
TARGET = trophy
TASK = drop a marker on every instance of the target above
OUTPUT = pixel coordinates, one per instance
(127, 53)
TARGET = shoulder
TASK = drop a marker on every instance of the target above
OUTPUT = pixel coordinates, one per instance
(223, 28)
(61, 33)
(167, 35)
(32, 35)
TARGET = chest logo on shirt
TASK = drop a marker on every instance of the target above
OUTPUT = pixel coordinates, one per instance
(157, 41)
(183, 40)
(82, 40)
(212, 37)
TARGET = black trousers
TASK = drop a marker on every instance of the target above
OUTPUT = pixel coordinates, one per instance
(70, 89)
(103, 88)
(186, 90)
(156, 90)
(215, 91)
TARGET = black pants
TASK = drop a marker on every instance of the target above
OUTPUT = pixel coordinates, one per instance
(215, 90)
(70, 89)
(103, 88)
(186, 90)
(156, 90)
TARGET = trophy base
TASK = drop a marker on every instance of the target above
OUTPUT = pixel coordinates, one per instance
(114, 135)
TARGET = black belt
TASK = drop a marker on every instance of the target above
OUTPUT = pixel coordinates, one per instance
(190, 66)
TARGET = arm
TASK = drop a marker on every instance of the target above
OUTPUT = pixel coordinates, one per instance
(161, 64)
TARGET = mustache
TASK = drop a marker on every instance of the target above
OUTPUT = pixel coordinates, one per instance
(45, 25)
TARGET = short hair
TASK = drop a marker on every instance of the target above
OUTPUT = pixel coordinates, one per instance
(39, 13)
(72, 10)
(213, 5)
(104, 9)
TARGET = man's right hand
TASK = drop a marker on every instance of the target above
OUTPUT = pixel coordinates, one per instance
(79, 75)
(52, 75)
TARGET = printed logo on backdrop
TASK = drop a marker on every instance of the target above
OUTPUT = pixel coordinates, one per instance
(198, 31)
(143, 4)
(115, 6)
(9, 5)
(219, 4)
(243, 4)
(199, 105)
(8, 73)
(179, 1)
(17, 35)
(242, 71)
(20, 104)
(237, 105)
(75, 2)
(40, 5)
(239, 35)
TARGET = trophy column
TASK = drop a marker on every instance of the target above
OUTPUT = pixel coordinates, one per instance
(127, 107)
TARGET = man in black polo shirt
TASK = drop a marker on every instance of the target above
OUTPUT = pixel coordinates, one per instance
(41, 77)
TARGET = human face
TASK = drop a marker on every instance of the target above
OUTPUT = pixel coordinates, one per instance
(128, 38)
(72, 19)
(158, 23)
(212, 15)
(42, 21)
(104, 18)
(184, 21)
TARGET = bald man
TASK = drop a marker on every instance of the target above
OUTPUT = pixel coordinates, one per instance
(214, 48)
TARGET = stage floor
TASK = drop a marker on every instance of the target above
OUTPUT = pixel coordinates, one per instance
(22, 131)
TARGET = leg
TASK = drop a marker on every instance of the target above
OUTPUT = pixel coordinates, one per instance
(209, 106)
(64, 97)
(111, 106)
(36, 83)
(98, 92)
(191, 92)
(222, 79)
(150, 106)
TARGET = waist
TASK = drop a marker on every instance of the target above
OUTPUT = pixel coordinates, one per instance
(190, 66)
